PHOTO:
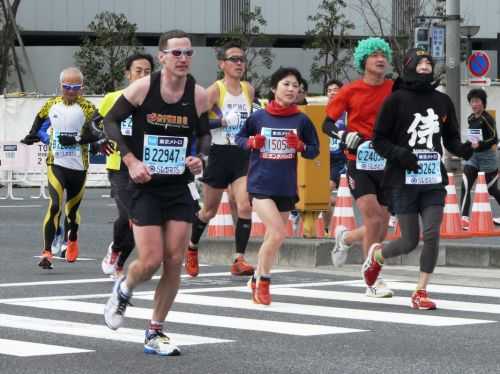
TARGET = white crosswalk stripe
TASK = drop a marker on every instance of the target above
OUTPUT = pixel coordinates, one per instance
(317, 304)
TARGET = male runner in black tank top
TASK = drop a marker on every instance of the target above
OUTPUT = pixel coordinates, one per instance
(166, 109)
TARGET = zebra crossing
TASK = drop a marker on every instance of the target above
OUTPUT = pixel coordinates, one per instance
(301, 309)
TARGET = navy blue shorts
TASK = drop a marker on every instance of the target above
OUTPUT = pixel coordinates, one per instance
(337, 168)
(283, 203)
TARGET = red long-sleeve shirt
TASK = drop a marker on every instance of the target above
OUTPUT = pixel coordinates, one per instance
(362, 103)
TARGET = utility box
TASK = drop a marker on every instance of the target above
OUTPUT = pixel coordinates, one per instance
(313, 176)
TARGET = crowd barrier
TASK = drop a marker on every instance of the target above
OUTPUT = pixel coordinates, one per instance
(24, 166)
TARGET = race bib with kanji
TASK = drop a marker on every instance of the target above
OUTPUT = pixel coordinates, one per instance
(429, 171)
(368, 159)
(475, 135)
(276, 147)
(165, 155)
(60, 150)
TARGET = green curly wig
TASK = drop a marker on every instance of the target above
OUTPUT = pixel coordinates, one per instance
(368, 46)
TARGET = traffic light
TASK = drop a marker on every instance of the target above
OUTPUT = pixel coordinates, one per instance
(422, 38)
(464, 49)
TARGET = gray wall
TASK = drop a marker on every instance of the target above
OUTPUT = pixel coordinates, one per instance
(196, 16)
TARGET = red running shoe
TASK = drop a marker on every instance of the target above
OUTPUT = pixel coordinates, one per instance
(191, 262)
(241, 267)
(72, 251)
(262, 294)
(420, 300)
(371, 268)
(46, 261)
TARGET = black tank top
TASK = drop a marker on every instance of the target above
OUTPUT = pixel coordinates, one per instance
(163, 134)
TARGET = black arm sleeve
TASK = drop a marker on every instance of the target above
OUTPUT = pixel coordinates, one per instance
(121, 110)
(90, 131)
(330, 129)
(203, 135)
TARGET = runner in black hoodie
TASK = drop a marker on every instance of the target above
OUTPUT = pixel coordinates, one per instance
(408, 133)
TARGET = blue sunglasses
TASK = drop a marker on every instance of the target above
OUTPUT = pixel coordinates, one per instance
(71, 87)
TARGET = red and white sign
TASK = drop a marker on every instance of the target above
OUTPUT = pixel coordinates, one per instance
(479, 64)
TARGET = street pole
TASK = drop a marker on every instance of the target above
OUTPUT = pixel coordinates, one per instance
(453, 66)
(453, 53)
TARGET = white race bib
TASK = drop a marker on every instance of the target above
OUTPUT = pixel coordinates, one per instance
(276, 146)
(368, 159)
(64, 150)
(475, 135)
(429, 171)
(165, 155)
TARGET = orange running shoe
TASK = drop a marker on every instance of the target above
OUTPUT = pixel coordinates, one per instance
(420, 300)
(72, 251)
(191, 262)
(262, 294)
(46, 261)
(252, 284)
(241, 267)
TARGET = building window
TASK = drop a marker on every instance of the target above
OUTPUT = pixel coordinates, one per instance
(230, 16)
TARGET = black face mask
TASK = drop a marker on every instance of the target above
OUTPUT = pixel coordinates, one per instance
(410, 75)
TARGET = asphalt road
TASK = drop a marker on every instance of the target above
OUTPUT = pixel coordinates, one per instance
(319, 322)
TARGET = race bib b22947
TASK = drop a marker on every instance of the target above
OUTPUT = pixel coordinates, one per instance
(165, 155)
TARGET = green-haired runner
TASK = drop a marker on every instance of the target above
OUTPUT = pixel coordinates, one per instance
(362, 100)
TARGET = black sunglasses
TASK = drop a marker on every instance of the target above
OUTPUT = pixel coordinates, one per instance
(236, 59)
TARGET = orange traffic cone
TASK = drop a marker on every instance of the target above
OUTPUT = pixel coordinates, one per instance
(258, 228)
(343, 213)
(481, 223)
(222, 224)
(451, 225)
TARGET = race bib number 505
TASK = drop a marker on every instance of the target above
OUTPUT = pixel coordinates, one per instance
(165, 154)
(276, 147)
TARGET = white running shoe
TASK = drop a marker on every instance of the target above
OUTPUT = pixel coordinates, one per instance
(340, 249)
(158, 343)
(57, 243)
(379, 289)
(108, 264)
(114, 310)
(295, 223)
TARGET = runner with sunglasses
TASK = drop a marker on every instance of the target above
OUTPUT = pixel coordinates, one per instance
(166, 109)
(71, 132)
(230, 100)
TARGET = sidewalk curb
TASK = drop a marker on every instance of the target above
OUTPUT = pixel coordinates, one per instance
(311, 253)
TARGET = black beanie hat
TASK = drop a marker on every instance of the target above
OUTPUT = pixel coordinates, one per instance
(479, 94)
(410, 62)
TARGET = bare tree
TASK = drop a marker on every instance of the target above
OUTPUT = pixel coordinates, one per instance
(377, 15)
(7, 38)
(329, 38)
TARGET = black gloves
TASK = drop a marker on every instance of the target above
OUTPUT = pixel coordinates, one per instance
(30, 139)
(68, 140)
(407, 159)
(351, 139)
